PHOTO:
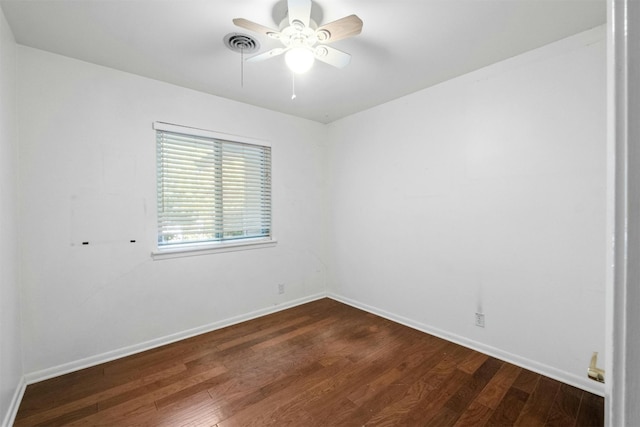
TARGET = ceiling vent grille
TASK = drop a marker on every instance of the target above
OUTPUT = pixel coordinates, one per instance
(241, 43)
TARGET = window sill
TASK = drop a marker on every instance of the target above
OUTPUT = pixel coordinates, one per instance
(195, 250)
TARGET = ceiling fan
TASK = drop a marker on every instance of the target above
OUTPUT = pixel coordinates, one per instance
(303, 41)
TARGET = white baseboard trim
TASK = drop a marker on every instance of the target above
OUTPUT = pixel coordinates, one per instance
(540, 368)
(12, 411)
(551, 372)
(77, 365)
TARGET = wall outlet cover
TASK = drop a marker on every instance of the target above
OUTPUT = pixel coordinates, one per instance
(480, 320)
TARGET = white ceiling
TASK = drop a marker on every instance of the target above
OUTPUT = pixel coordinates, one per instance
(405, 45)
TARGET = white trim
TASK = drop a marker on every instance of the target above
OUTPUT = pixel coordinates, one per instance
(623, 347)
(186, 130)
(66, 368)
(548, 371)
(565, 377)
(614, 318)
(11, 414)
(211, 248)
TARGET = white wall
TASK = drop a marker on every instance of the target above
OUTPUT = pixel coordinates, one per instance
(87, 170)
(484, 193)
(10, 339)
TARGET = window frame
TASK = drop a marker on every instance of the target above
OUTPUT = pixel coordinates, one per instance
(209, 247)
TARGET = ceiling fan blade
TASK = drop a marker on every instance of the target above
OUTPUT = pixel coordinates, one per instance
(332, 56)
(341, 29)
(257, 28)
(299, 10)
(266, 55)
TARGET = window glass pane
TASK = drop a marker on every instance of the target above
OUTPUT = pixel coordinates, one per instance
(211, 190)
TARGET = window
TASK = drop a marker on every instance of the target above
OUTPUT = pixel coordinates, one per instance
(212, 191)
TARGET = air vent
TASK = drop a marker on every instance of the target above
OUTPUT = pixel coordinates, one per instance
(241, 43)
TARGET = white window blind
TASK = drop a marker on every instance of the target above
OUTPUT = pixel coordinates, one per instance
(210, 190)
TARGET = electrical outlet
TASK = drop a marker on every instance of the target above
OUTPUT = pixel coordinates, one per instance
(480, 320)
(281, 288)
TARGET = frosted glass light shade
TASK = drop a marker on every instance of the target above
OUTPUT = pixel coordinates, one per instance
(299, 59)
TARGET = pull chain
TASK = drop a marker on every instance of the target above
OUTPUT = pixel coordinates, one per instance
(293, 86)
(242, 66)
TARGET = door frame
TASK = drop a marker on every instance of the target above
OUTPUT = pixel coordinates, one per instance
(623, 205)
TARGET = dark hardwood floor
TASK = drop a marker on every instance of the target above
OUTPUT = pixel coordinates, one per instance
(319, 364)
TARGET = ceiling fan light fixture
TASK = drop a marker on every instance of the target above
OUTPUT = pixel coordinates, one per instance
(299, 59)
(300, 35)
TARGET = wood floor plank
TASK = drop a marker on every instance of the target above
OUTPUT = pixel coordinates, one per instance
(443, 418)
(142, 401)
(277, 404)
(565, 407)
(121, 416)
(197, 408)
(494, 392)
(64, 418)
(325, 394)
(419, 391)
(536, 410)
(390, 387)
(591, 412)
(472, 362)
(463, 397)
(415, 361)
(526, 381)
(165, 386)
(234, 396)
(263, 332)
(91, 400)
(45, 395)
(428, 408)
(318, 364)
(508, 411)
(381, 347)
(476, 415)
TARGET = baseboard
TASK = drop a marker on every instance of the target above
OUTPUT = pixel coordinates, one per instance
(77, 365)
(565, 377)
(10, 416)
(540, 368)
